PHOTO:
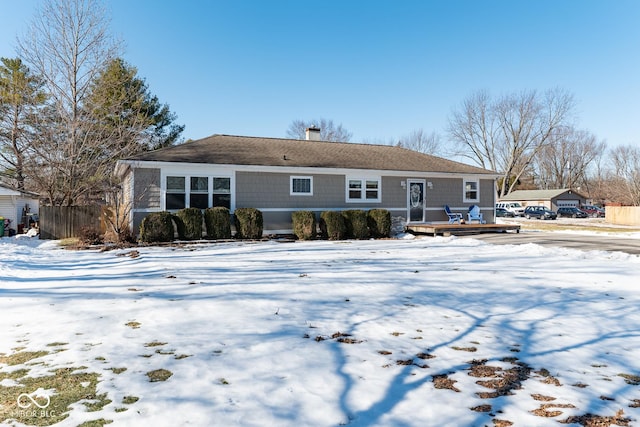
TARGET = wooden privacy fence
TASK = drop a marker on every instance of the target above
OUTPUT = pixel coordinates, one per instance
(622, 215)
(61, 222)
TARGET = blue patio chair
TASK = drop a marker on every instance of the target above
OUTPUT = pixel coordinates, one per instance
(454, 217)
(474, 214)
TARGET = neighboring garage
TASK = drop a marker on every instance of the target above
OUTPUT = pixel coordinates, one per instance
(551, 199)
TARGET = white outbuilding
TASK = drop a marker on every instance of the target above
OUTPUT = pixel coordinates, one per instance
(20, 208)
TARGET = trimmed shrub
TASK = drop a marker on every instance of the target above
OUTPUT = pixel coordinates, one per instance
(157, 227)
(332, 225)
(304, 225)
(248, 222)
(191, 219)
(218, 222)
(355, 221)
(379, 221)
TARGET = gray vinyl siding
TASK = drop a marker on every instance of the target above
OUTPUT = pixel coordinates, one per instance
(449, 191)
(487, 193)
(147, 188)
(271, 191)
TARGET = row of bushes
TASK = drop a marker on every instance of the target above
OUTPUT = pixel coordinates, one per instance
(349, 224)
(189, 224)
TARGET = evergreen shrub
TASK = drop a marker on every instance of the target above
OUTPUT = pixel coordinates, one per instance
(248, 222)
(218, 222)
(379, 221)
(191, 219)
(304, 225)
(332, 225)
(355, 221)
(157, 227)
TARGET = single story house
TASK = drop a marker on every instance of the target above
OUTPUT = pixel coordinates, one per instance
(279, 176)
(551, 199)
(15, 205)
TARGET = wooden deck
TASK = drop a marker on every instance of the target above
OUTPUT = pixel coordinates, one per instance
(456, 229)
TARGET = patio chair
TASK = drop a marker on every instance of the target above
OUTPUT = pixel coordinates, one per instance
(474, 214)
(454, 217)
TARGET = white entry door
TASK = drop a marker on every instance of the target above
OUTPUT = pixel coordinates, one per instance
(415, 200)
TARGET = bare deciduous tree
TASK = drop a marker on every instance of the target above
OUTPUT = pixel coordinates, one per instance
(328, 130)
(505, 135)
(68, 45)
(419, 140)
(626, 174)
(566, 160)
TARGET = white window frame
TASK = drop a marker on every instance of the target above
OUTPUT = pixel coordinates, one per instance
(363, 189)
(175, 190)
(466, 181)
(299, 193)
(187, 188)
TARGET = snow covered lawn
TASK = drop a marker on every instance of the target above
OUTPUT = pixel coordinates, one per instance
(424, 332)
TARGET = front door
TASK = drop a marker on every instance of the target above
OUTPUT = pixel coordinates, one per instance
(415, 200)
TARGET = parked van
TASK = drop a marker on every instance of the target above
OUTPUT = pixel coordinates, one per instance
(514, 207)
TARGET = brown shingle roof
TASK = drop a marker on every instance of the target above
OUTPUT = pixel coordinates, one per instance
(244, 150)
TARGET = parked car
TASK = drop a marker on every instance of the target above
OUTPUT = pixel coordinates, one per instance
(593, 211)
(502, 212)
(514, 207)
(571, 213)
(539, 212)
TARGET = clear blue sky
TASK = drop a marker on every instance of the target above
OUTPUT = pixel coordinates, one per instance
(381, 68)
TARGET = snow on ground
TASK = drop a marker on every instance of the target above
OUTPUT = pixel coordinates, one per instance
(422, 332)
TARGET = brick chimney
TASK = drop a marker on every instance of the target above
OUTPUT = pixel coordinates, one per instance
(313, 133)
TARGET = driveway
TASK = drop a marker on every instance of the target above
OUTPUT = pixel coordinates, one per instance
(586, 242)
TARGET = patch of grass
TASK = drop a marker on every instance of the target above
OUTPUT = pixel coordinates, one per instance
(95, 423)
(14, 375)
(469, 349)
(154, 344)
(97, 403)
(70, 387)
(118, 371)
(159, 375)
(56, 344)
(631, 379)
(133, 325)
(554, 226)
(130, 400)
(22, 357)
(182, 356)
(70, 243)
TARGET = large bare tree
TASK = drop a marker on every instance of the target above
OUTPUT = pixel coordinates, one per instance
(566, 161)
(506, 134)
(68, 44)
(328, 130)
